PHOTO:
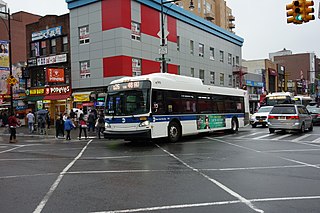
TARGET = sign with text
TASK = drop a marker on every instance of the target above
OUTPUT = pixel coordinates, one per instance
(48, 33)
(55, 74)
(4, 55)
(52, 59)
(59, 89)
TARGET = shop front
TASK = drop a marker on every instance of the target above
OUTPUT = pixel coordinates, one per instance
(84, 101)
(57, 100)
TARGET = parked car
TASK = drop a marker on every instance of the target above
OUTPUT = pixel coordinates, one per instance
(315, 113)
(261, 116)
(289, 117)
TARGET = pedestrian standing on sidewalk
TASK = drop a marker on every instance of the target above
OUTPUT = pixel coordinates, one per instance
(82, 126)
(31, 120)
(59, 126)
(91, 119)
(13, 124)
(68, 126)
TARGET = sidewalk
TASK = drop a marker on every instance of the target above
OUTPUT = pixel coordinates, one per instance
(50, 133)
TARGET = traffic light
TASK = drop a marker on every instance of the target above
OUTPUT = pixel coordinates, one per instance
(294, 14)
(307, 10)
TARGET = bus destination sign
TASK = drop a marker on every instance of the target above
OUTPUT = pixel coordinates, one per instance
(129, 86)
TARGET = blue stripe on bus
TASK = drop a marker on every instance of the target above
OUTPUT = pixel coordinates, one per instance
(165, 118)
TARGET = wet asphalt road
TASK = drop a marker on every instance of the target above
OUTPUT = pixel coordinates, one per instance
(251, 171)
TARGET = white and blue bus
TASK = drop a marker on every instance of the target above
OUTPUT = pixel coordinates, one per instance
(163, 105)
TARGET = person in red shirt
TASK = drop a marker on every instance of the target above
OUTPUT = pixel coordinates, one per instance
(13, 124)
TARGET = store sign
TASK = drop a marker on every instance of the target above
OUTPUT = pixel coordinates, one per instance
(55, 74)
(48, 33)
(4, 55)
(52, 59)
(39, 91)
(59, 89)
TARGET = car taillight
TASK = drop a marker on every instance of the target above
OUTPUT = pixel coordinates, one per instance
(294, 117)
(272, 117)
(318, 116)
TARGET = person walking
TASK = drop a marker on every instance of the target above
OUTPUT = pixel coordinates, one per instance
(82, 126)
(13, 124)
(100, 124)
(59, 126)
(68, 126)
(91, 119)
(31, 120)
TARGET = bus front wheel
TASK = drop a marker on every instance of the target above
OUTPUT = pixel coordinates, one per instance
(174, 132)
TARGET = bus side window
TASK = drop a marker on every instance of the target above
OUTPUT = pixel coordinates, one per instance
(157, 102)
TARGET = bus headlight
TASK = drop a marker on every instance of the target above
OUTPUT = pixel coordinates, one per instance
(144, 123)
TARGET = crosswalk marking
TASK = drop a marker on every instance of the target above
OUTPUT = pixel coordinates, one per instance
(316, 140)
(260, 137)
(281, 137)
(301, 137)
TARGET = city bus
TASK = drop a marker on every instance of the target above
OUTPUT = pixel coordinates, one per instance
(163, 105)
(278, 98)
(302, 100)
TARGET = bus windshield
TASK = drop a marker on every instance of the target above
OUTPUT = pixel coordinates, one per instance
(128, 102)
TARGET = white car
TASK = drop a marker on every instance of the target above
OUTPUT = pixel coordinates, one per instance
(261, 116)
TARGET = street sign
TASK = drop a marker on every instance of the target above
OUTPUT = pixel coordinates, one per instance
(12, 80)
(163, 50)
(164, 59)
(166, 33)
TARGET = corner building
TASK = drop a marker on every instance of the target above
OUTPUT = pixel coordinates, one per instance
(110, 39)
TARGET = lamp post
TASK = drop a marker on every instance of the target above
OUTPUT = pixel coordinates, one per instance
(10, 58)
(163, 49)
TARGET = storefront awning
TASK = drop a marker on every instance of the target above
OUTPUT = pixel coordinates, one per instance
(57, 97)
(34, 98)
(81, 96)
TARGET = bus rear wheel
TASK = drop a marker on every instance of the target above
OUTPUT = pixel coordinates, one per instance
(174, 132)
(234, 125)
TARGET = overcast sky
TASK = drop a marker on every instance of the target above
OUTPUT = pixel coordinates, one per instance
(262, 24)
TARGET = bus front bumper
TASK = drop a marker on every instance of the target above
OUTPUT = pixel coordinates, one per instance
(128, 135)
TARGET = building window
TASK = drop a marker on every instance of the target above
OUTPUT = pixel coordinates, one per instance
(37, 78)
(191, 47)
(199, 6)
(35, 51)
(136, 66)
(229, 58)
(237, 60)
(201, 50)
(201, 75)
(53, 46)
(192, 72)
(221, 56)
(135, 31)
(43, 50)
(230, 80)
(221, 79)
(65, 44)
(233, 62)
(211, 53)
(85, 69)
(212, 78)
(84, 35)
(178, 43)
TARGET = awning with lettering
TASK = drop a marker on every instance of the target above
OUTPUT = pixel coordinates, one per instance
(81, 96)
(57, 97)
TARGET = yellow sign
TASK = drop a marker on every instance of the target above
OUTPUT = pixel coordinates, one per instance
(39, 91)
(12, 80)
(81, 97)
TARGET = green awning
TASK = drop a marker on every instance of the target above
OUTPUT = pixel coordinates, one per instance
(34, 98)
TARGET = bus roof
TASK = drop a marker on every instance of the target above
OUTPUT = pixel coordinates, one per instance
(182, 83)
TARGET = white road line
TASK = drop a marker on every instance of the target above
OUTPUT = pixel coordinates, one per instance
(291, 150)
(9, 150)
(281, 137)
(252, 134)
(300, 162)
(58, 180)
(242, 147)
(316, 140)
(225, 188)
(21, 176)
(301, 137)
(260, 137)
(182, 206)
